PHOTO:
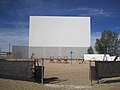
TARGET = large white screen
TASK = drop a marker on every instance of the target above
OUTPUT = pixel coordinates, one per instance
(59, 31)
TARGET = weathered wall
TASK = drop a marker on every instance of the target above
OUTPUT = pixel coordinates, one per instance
(20, 52)
(46, 52)
(107, 69)
(21, 70)
(78, 52)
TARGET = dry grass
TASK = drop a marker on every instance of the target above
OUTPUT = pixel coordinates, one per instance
(63, 77)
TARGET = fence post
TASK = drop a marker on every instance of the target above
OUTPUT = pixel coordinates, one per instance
(90, 72)
(42, 76)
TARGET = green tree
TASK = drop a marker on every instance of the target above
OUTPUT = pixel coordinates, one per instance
(109, 42)
(90, 50)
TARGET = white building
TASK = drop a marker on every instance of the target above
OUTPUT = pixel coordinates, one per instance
(58, 36)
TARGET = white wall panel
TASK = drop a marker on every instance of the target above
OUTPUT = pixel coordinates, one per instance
(59, 31)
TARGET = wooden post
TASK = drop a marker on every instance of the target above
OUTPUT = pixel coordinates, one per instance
(42, 69)
(42, 61)
(90, 73)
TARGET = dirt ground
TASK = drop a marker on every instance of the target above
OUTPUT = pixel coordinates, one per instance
(60, 76)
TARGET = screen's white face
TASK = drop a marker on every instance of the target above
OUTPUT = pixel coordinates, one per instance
(53, 31)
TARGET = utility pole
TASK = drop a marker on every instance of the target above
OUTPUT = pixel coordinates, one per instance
(71, 56)
(9, 47)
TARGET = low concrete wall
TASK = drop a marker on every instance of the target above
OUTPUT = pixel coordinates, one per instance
(20, 52)
(21, 70)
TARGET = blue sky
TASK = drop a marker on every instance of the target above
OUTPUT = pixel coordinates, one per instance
(14, 16)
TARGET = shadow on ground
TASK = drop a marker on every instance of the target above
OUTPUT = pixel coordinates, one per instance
(110, 81)
(53, 80)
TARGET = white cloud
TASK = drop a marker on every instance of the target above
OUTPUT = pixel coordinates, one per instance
(16, 24)
(89, 11)
(18, 37)
(96, 11)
